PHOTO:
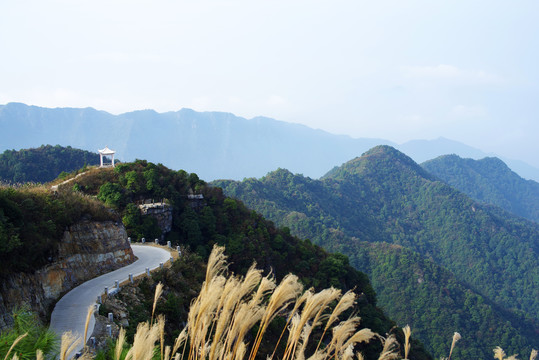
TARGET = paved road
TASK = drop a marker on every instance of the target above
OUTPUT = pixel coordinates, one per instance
(69, 314)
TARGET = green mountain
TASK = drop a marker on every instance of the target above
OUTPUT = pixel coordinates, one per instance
(211, 218)
(489, 180)
(480, 260)
(42, 164)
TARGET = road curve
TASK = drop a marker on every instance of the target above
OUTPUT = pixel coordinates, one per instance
(70, 311)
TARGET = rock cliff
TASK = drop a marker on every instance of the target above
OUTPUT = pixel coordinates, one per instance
(162, 212)
(87, 249)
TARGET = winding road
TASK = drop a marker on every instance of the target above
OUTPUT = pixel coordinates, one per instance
(70, 312)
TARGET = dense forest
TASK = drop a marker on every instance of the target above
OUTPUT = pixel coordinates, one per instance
(490, 181)
(42, 164)
(382, 197)
(198, 224)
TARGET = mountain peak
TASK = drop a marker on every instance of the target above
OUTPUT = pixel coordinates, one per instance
(381, 159)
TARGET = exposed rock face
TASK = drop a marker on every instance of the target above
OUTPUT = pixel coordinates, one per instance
(162, 212)
(87, 249)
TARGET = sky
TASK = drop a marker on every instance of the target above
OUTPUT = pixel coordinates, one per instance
(390, 69)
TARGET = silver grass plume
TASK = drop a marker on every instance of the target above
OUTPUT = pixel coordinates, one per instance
(390, 350)
(407, 332)
(456, 337)
(119, 344)
(498, 353)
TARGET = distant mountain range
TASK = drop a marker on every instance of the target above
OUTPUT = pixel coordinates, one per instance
(437, 259)
(214, 145)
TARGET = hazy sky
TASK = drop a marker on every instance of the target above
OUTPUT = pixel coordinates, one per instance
(398, 70)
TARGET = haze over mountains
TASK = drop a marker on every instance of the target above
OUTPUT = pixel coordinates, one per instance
(214, 145)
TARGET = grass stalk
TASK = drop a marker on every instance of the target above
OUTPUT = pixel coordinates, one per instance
(158, 291)
(68, 344)
(456, 337)
(407, 332)
(89, 314)
(119, 344)
(19, 338)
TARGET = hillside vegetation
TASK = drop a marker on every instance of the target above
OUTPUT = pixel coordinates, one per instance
(199, 224)
(42, 164)
(33, 220)
(385, 197)
(489, 181)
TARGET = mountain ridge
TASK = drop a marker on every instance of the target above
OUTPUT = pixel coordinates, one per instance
(211, 144)
(489, 180)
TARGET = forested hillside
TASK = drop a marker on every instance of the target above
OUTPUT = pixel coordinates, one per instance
(198, 224)
(42, 164)
(385, 197)
(33, 220)
(488, 180)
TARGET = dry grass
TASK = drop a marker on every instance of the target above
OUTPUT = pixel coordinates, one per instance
(499, 354)
(68, 344)
(232, 306)
(19, 338)
(407, 333)
(456, 337)
(229, 307)
(89, 314)
(119, 344)
(158, 292)
(390, 350)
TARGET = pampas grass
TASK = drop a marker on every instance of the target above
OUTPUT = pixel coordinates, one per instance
(499, 353)
(157, 295)
(68, 343)
(89, 314)
(346, 302)
(19, 338)
(390, 350)
(143, 342)
(285, 293)
(229, 307)
(119, 344)
(456, 337)
(407, 332)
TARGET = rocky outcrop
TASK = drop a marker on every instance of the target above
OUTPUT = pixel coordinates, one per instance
(162, 212)
(87, 249)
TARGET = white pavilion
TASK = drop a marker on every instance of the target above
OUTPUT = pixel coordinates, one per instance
(106, 152)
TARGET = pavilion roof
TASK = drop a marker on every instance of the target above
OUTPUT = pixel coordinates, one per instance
(106, 151)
